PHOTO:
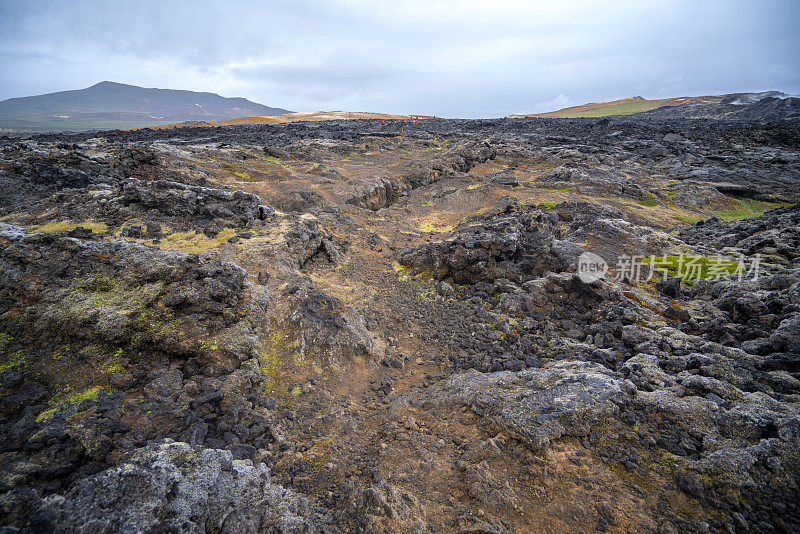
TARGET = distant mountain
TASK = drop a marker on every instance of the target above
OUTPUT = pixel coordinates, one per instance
(116, 105)
(768, 105)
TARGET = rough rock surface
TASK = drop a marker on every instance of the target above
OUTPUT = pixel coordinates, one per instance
(407, 341)
(170, 487)
(516, 245)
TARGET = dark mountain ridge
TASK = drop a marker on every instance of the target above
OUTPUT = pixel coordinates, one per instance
(765, 106)
(116, 105)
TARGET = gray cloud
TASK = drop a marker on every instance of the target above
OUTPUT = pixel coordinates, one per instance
(335, 78)
(449, 58)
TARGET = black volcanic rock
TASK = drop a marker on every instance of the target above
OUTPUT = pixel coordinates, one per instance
(538, 393)
(515, 244)
(768, 106)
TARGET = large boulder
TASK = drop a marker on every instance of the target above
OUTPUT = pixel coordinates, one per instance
(516, 244)
(566, 398)
(171, 487)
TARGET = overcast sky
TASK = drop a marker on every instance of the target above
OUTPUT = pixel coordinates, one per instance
(444, 58)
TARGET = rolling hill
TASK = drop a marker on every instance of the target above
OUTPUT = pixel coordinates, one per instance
(115, 105)
(624, 106)
(765, 105)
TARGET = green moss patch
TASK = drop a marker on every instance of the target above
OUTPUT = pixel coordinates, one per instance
(114, 364)
(194, 242)
(9, 358)
(11, 361)
(563, 189)
(5, 342)
(649, 202)
(98, 227)
(238, 169)
(747, 208)
(65, 397)
(121, 313)
(112, 293)
(692, 268)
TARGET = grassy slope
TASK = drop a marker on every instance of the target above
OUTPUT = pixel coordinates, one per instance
(311, 116)
(746, 208)
(45, 123)
(625, 106)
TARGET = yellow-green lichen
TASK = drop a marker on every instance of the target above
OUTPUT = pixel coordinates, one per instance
(280, 351)
(650, 201)
(97, 227)
(562, 189)
(195, 243)
(9, 359)
(13, 360)
(5, 341)
(432, 227)
(421, 282)
(244, 175)
(114, 364)
(119, 310)
(209, 344)
(111, 293)
(66, 396)
(316, 457)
